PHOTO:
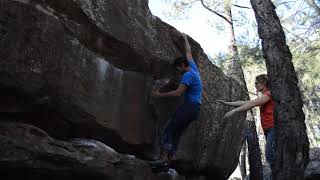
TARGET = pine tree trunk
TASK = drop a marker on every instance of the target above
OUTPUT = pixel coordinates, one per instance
(254, 152)
(233, 71)
(292, 151)
(236, 71)
(242, 163)
(234, 68)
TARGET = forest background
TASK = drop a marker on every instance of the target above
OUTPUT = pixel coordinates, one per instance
(211, 22)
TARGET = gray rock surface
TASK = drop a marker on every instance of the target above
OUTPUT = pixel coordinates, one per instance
(28, 152)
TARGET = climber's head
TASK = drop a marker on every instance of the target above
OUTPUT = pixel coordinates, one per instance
(261, 82)
(181, 63)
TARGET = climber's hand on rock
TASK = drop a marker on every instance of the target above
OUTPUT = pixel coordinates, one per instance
(184, 36)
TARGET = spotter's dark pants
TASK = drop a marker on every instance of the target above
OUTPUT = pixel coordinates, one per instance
(270, 146)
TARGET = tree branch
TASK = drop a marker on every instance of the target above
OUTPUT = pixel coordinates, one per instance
(183, 3)
(287, 2)
(215, 12)
(314, 5)
(245, 7)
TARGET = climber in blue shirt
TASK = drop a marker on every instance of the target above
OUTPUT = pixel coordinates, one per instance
(191, 87)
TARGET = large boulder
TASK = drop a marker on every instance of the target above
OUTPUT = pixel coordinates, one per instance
(88, 97)
(54, 74)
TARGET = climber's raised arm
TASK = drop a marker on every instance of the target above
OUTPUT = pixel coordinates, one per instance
(187, 47)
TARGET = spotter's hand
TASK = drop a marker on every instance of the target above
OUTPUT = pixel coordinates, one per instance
(155, 93)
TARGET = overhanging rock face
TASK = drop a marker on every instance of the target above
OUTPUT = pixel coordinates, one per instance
(85, 69)
(93, 98)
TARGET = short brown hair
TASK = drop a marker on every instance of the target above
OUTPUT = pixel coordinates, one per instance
(262, 78)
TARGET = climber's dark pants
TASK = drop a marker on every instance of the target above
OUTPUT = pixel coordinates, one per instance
(270, 146)
(185, 114)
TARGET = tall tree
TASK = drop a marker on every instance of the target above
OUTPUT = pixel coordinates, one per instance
(301, 22)
(292, 152)
(235, 70)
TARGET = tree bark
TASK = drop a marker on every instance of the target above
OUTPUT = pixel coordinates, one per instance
(292, 145)
(254, 150)
(242, 161)
(234, 68)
